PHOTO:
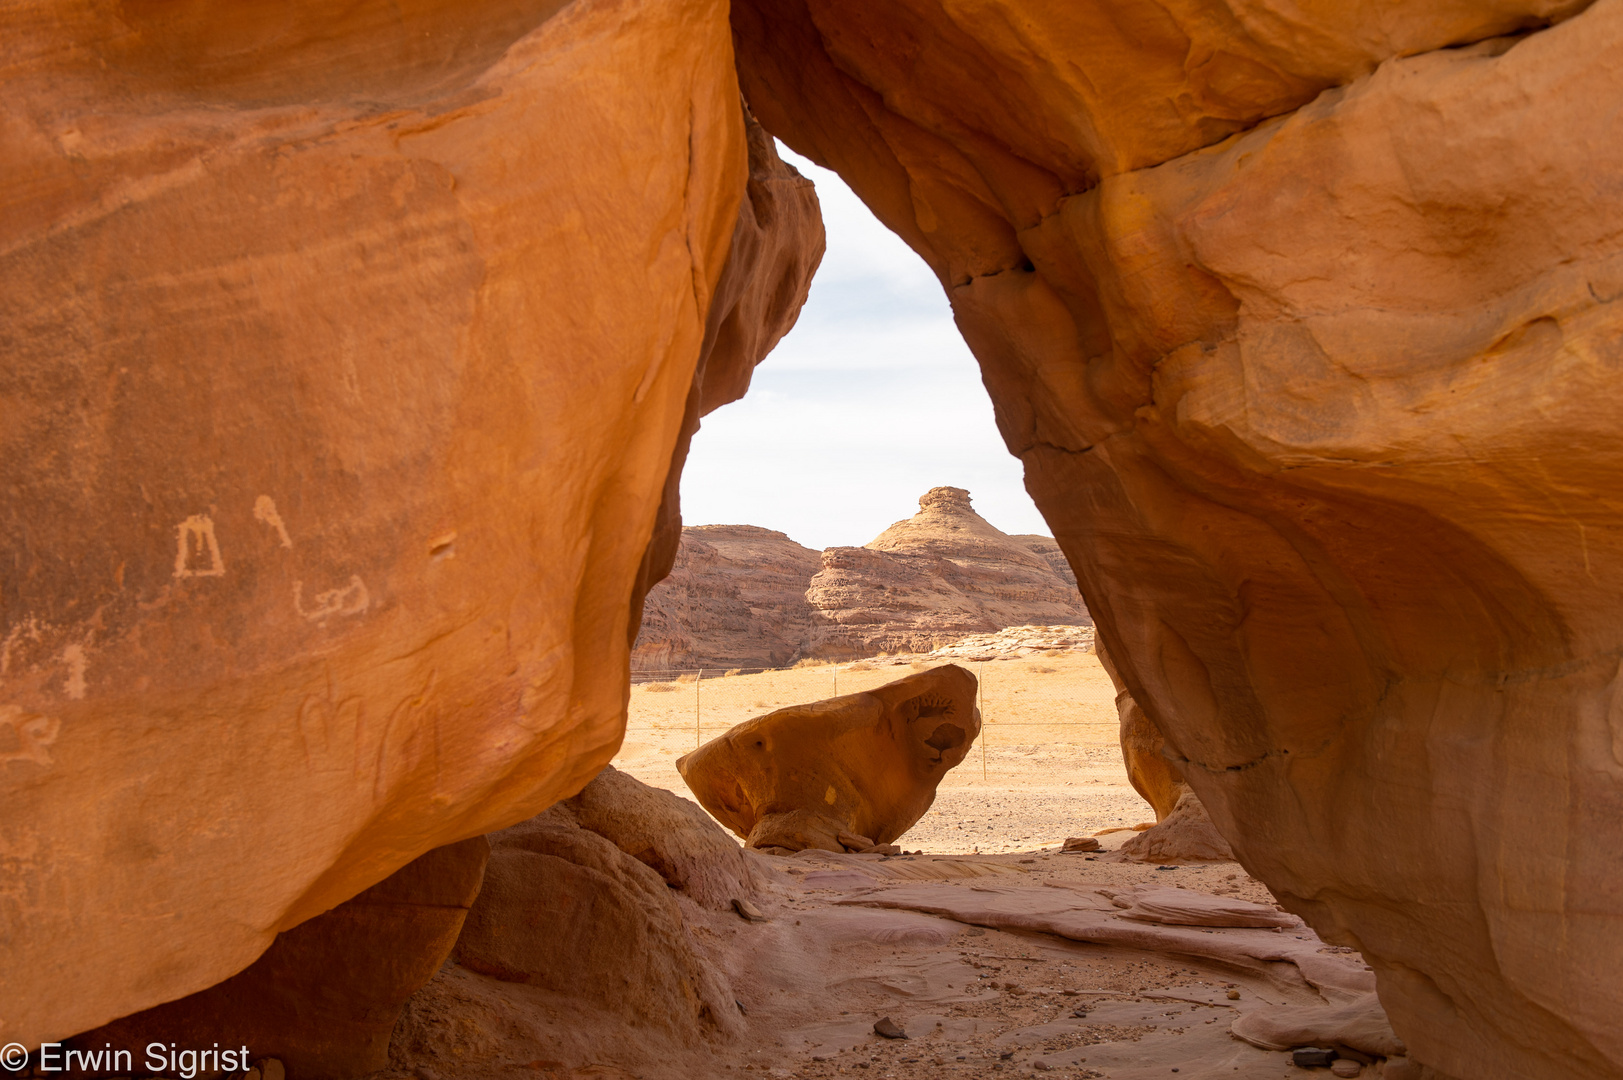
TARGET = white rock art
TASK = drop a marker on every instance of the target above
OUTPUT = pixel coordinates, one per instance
(34, 735)
(265, 510)
(198, 552)
(351, 599)
(74, 657)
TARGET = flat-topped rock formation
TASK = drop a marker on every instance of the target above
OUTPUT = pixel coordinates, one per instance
(941, 574)
(742, 596)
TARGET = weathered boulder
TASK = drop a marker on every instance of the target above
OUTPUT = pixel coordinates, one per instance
(862, 766)
(565, 910)
(348, 354)
(666, 833)
(1185, 835)
(1360, 1023)
(1305, 321)
(324, 998)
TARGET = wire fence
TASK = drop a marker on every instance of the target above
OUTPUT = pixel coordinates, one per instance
(1043, 700)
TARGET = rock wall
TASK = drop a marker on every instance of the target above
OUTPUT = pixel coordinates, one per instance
(931, 579)
(348, 354)
(742, 596)
(735, 597)
(1052, 553)
(325, 997)
(1304, 321)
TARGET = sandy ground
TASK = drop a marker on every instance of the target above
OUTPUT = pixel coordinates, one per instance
(830, 958)
(812, 980)
(1047, 765)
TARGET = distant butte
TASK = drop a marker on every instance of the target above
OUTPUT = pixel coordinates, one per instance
(742, 596)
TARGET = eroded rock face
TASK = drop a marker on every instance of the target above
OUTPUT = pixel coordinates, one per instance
(1305, 324)
(776, 246)
(565, 910)
(1184, 835)
(666, 833)
(735, 597)
(741, 596)
(943, 573)
(324, 998)
(1143, 747)
(859, 766)
(348, 354)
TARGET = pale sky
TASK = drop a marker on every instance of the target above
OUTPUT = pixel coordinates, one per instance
(870, 401)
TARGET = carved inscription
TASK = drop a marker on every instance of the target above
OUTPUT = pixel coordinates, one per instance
(32, 733)
(198, 553)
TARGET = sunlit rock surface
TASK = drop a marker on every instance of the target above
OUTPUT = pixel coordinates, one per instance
(828, 775)
(325, 997)
(1143, 748)
(1304, 321)
(931, 579)
(743, 596)
(348, 353)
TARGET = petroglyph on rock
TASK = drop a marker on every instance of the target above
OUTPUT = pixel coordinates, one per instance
(74, 657)
(352, 599)
(34, 735)
(198, 552)
(265, 510)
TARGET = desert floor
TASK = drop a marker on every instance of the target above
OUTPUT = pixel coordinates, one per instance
(951, 945)
(1047, 765)
(977, 998)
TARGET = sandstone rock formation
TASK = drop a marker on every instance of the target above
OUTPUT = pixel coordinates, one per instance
(351, 350)
(1184, 835)
(666, 833)
(859, 766)
(324, 998)
(943, 573)
(1049, 549)
(349, 353)
(565, 910)
(741, 596)
(776, 246)
(1151, 773)
(1014, 641)
(735, 597)
(1304, 321)
(1360, 1024)
(1183, 830)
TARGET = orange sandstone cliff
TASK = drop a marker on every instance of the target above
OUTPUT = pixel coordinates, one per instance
(742, 596)
(348, 352)
(1304, 320)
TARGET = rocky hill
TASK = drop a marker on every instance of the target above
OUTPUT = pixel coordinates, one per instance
(741, 596)
(735, 598)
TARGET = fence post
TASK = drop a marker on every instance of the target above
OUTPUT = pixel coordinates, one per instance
(835, 674)
(697, 738)
(980, 688)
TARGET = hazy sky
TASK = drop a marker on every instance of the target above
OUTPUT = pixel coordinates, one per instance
(870, 401)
